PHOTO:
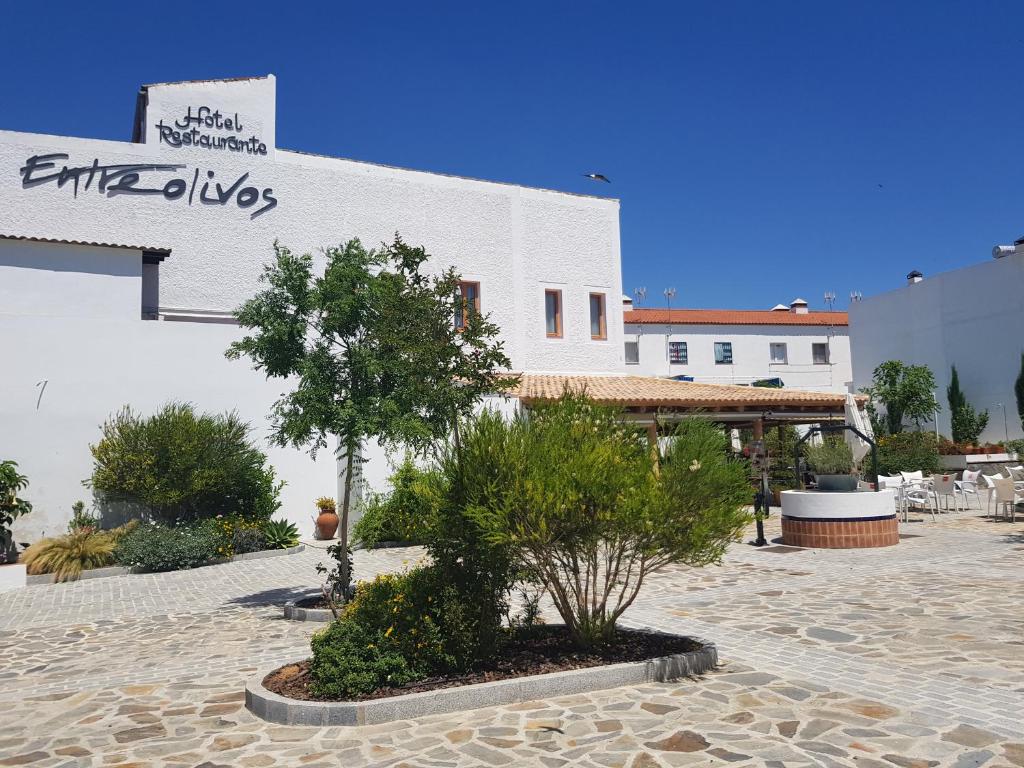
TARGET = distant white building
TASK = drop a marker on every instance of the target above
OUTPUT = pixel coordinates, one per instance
(803, 349)
(972, 318)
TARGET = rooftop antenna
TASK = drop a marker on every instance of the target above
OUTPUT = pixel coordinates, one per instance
(670, 293)
(640, 294)
(830, 300)
(855, 296)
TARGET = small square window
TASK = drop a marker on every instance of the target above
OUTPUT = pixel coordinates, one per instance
(469, 301)
(598, 322)
(723, 352)
(553, 313)
(778, 353)
(632, 353)
(819, 354)
(677, 353)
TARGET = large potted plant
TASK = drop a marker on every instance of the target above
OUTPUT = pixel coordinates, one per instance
(12, 507)
(327, 521)
(832, 463)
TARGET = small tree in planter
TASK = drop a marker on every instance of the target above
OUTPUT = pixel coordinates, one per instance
(967, 423)
(12, 507)
(585, 513)
(375, 352)
(906, 392)
(833, 464)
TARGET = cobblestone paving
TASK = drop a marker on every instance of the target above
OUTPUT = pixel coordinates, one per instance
(906, 656)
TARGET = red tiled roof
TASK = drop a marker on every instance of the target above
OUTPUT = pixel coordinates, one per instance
(732, 317)
(651, 391)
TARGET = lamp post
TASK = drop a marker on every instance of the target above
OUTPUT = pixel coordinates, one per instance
(670, 293)
(1006, 428)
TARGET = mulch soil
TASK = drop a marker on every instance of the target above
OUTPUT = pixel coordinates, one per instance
(546, 649)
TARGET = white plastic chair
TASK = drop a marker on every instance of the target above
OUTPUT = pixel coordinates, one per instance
(990, 487)
(944, 486)
(968, 486)
(921, 495)
(894, 483)
(912, 477)
(1007, 497)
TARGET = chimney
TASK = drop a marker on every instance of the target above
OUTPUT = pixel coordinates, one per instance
(798, 307)
(627, 302)
(780, 308)
(914, 277)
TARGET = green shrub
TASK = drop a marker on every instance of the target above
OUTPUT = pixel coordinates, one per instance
(404, 514)
(908, 452)
(350, 660)
(245, 540)
(1015, 446)
(584, 512)
(832, 457)
(11, 506)
(154, 548)
(280, 534)
(180, 466)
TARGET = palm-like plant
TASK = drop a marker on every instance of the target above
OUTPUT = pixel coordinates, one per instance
(280, 534)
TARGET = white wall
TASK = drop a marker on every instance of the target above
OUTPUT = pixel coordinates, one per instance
(92, 367)
(750, 354)
(972, 318)
(511, 239)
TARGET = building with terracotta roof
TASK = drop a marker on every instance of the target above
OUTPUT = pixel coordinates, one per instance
(788, 346)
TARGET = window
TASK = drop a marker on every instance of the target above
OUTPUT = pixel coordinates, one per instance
(778, 353)
(553, 313)
(598, 323)
(677, 353)
(469, 295)
(819, 354)
(632, 353)
(723, 352)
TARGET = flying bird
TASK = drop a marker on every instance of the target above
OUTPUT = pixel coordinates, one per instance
(597, 177)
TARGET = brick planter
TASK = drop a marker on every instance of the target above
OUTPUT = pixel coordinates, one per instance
(840, 534)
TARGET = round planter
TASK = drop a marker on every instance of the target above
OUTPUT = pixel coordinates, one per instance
(837, 483)
(293, 611)
(839, 520)
(326, 525)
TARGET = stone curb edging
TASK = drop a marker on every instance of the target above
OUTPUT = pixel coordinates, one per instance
(44, 579)
(280, 709)
(295, 612)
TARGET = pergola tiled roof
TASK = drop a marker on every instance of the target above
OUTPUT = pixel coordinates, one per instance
(649, 393)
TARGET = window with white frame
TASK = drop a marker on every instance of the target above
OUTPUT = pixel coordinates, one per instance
(723, 353)
(677, 354)
(819, 354)
(778, 353)
(632, 353)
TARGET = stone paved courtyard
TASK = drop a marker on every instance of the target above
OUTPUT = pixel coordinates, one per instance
(907, 656)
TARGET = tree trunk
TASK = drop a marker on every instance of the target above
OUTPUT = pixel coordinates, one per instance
(346, 502)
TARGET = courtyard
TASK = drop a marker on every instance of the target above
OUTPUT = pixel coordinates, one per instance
(907, 656)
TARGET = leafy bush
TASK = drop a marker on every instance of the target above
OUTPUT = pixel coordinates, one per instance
(11, 506)
(1015, 446)
(80, 550)
(182, 466)
(405, 514)
(584, 512)
(233, 535)
(82, 520)
(280, 534)
(908, 452)
(154, 548)
(832, 457)
(245, 540)
(412, 617)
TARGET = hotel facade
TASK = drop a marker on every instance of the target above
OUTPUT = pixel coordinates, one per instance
(121, 263)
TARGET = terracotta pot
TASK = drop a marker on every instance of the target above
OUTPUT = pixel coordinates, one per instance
(326, 525)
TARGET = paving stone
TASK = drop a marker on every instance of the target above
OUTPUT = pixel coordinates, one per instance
(969, 736)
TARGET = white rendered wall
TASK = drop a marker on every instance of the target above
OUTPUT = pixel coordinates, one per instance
(750, 353)
(513, 240)
(972, 318)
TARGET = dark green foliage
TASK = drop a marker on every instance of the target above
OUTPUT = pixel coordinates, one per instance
(832, 457)
(906, 392)
(161, 548)
(405, 514)
(350, 660)
(1018, 390)
(373, 347)
(908, 452)
(178, 465)
(11, 506)
(245, 540)
(82, 520)
(967, 424)
(280, 534)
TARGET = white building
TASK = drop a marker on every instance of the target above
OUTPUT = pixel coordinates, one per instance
(805, 350)
(121, 262)
(972, 318)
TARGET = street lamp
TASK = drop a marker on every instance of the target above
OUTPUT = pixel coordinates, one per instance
(1006, 428)
(670, 293)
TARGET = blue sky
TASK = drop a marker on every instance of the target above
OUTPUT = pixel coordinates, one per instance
(746, 140)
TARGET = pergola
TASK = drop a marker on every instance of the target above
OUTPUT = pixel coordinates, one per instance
(650, 401)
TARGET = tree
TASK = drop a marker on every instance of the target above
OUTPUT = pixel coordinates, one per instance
(12, 507)
(906, 391)
(586, 514)
(966, 423)
(1018, 390)
(375, 353)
